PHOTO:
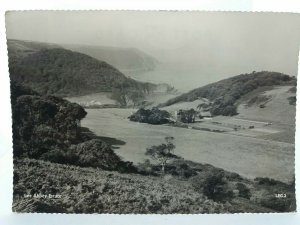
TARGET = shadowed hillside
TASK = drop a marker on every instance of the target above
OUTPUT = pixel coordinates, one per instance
(65, 73)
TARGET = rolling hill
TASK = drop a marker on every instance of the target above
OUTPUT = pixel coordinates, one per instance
(18, 49)
(66, 73)
(53, 69)
(127, 60)
(224, 94)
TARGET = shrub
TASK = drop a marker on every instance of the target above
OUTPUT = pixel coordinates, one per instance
(92, 153)
(214, 185)
(215, 188)
(180, 169)
(244, 192)
(146, 168)
(126, 167)
(95, 153)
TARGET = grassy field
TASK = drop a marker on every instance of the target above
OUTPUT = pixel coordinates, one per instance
(277, 110)
(250, 157)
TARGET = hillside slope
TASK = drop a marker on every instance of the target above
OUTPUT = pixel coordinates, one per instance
(18, 49)
(269, 104)
(273, 107)
(224, 94)
(130, 60)
(89, 190)
(65, 73)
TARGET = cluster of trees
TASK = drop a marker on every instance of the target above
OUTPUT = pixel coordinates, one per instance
(186, 116)
(151, 116)
(41, 123)
(48, 128)
(225, 93)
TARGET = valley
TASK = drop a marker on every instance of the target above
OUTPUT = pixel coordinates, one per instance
(252, 157)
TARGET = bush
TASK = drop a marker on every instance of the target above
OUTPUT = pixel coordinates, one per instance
(126, 167)
(214, 185)
(215, 188)
(244, 192)
(95, 153)
(92, 153)
(181, 170)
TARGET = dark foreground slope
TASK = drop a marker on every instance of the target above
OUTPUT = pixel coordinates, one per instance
(65, 73)
(225, 93)
(90, 190)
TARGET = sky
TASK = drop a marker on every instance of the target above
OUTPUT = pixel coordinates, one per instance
(218, 44)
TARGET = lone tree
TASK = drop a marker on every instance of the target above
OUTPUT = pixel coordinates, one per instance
(163, 152)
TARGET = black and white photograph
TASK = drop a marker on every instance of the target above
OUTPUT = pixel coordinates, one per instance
(153, 112)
